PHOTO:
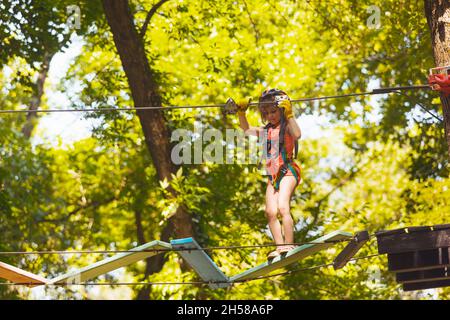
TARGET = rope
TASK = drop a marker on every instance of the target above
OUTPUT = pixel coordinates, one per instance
(44, 252)
(114, 109)
(427, 110)
(309, 268)
(139, 108)
(186, 282)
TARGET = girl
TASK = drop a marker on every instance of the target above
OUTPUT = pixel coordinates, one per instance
(281, 133)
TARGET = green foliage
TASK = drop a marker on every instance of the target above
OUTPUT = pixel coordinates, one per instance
(380, 163)
(31, 29)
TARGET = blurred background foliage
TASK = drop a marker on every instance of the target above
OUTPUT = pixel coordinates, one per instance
(375, 162)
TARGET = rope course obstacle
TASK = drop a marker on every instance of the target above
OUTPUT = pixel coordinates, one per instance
(190, 250)
(420, 257)
(209, 272)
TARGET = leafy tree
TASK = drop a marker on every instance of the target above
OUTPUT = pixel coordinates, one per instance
(380, 163)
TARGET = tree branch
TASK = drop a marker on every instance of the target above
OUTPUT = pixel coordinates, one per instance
(93, 204)
(36, 99)
(150, 14)
(344, 180)
(279, 13)
(255, 29)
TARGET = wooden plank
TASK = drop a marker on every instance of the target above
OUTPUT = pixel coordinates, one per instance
(441, 226)
(17, 275)
(414, 241)
(112, 263)
(423, 275)
(426, 285)
(351, 249)
(384, 233)
(419, 260)
(292, 256)
(412, 230)
(200, 262)
(419, 229)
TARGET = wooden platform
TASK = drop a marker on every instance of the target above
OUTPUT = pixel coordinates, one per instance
(197, 258)
(115, 262)
(200, 262)
(16, 275)
(420, 256)
(293, 256)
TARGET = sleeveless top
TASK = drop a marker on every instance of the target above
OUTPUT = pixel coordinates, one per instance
(280, 162)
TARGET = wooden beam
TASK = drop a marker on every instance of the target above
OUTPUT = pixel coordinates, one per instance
(351, 249)
(385, 233)
(419, 260)
(112, 263)
(292, 256)
(200, 262)
(423, 276)
(426, 285)
(16, 275)
(413, 239)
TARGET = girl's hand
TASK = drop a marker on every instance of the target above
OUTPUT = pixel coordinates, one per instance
(287, 106)
(242, 106)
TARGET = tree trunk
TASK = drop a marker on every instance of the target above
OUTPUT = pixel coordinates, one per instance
(35, 103)
(144, 91)
(438, 17)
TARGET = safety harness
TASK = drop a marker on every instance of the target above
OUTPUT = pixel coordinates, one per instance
(287, 161)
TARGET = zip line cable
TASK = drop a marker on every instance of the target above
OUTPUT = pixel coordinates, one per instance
(427, 110)
(45, 252)
(187, 282)
(138, 108)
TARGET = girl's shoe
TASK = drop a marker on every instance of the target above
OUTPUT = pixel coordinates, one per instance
(285, 249)
(273, 254)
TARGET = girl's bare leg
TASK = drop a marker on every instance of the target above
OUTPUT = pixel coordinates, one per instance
(287, 186)
(272, 214)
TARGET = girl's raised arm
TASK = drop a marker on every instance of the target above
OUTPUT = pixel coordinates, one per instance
(243, 122)
(293, 127)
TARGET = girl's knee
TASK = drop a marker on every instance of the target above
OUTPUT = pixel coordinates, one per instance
(271, 214)
(284, 209)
